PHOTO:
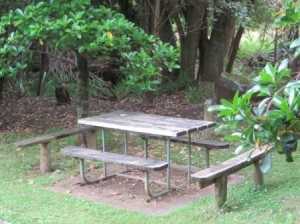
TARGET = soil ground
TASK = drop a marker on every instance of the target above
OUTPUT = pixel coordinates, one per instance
(35, 115)
(129, 194)
(32, 115)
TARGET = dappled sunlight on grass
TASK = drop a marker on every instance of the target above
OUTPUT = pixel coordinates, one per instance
(22, 193)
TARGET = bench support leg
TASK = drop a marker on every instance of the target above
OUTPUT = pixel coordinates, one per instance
(45, 158)
(206, 157)
(221, 191)
(147, 188)
(91, 139)
(258, 175)
(82, 174)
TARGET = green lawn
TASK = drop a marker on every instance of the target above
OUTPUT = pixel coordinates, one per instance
(23, 199)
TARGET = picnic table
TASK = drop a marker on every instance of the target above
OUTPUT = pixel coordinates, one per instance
(142, 124)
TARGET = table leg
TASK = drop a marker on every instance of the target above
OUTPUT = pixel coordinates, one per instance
(145, 148)
(189, 158)
(103, 149)
(169, 163)
(125, 143)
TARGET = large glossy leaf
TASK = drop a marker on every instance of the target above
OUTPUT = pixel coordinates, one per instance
(292, 98)
(283, 65)
(295, 43)
(266, 163)
(226, 103)
(270, 73)
(275, 114)
(237, 136)
(242, 148)
(217, 108)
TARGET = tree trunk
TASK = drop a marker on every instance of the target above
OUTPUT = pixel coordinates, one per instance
(165, 31)
(295, 67)
(234, 48)
(145, 16)
(83, 86)
(127, 9)
(1, 87)
(237, 39)
(214, 51)
(189, 47)
(44, 64)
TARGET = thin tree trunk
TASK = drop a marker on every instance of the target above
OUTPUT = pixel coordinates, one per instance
(165, 33)
(83, 86)
(237, 39)
(44, 64)
(214, 52)
(234, 48)
(189, 47)
(144, 16)
(126, 9)
(1, 87)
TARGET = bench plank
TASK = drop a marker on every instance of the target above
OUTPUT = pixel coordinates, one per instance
(43, 140)
(49, 137)
(230, 166)
(194, 141)
(202, 142)
(120, 159)
(208, 176)
(218, 173)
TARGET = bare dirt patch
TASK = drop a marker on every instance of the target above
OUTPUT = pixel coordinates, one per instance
(129, 194)
(35, 115)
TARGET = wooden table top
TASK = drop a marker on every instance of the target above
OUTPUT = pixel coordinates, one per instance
(147, 123)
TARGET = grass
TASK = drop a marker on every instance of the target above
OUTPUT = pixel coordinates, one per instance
(24, 200)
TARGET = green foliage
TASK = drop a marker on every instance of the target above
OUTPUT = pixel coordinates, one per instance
(252, 45)
(12, 48)
(196, 95)
(174, 85)
(291, 14)
(193, 95)
(24, 192)
(98, 33)
(276, 118)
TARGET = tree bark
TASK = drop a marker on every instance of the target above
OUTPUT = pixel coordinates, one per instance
(237, 39)
(190, 43)
(83, 86)
(127, 9)
(164, 27)
(234, 48)
(145, 16)
(214, 51)
(1, 87)
(164, 30)
(44, 65)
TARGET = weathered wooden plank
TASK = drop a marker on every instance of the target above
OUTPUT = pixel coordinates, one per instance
(153, 119)
(120, 159)
(45, 158)
(208, 176)
(194, 141)
(258, 175)
(146, 123)
(221, 191)
(49, 137)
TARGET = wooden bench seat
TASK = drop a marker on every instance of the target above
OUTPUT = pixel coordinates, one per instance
(114, 158)
(43, 140)
(139, 163)
(205, 143)
(218, 174)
